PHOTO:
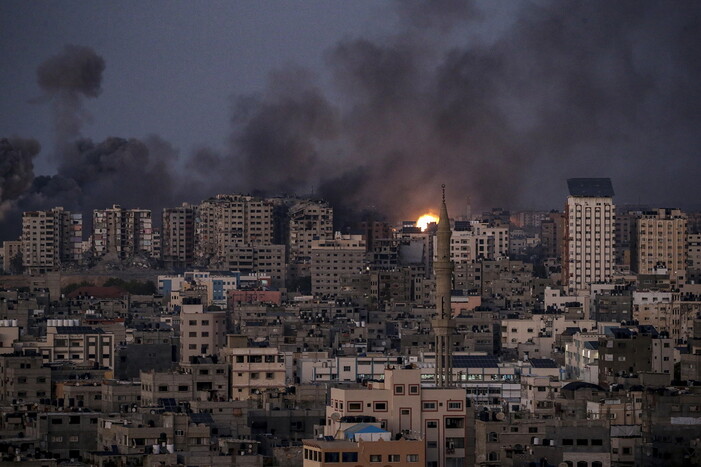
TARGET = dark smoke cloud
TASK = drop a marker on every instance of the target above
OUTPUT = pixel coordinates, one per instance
(501, 109)
(500, 101)
(67, 78)
(16, 166)
(91, 175)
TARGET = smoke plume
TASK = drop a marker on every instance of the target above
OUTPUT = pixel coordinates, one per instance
(500, 101)
(66, 79)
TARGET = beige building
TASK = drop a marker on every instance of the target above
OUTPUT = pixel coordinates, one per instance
(201, 332)
(50, 238)
(257, 373)
(589, 233)
(9, 251)
(309, 221)
(76, 344)
(24, 377)
(659, 242)
(228, 222)
(205, 379)
(401, 405)
(124, 232)
(399, 453)
(336, 259)
(178, 236)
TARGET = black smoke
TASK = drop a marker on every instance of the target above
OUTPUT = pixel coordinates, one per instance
(67, 79)
(501, 101)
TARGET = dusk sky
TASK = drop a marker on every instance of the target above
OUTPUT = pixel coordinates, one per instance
(373, 103)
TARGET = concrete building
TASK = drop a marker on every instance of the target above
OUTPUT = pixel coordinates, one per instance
(25, 378)
(332, 260)
(178, 237)
(257, 373)
(401, 405)
(10, 251)
(202, 332)
(363, 449)
(310, 221)
(49, 239)
(659, 241)
(202, 379)
(123, 232)
(589, 233)
(226, 223)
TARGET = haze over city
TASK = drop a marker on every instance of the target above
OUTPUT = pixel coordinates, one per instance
(366, 104)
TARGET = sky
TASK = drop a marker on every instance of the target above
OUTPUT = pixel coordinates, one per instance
(372, 105)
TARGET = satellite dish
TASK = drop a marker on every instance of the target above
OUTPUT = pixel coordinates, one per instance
(500, 416)
(335, 416)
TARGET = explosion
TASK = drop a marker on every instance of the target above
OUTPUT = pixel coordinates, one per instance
(426, 219)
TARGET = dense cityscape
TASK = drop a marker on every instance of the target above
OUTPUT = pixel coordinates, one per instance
(320, 233)
(246, 331)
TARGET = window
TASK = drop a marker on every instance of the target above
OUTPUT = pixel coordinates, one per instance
(375, 458)
(183, 388)
(349, 457)
(332, 456)
(454, 405)
(399, 389)
(429, 406)
(597, 442)
(567, 442)
(355, 406)
(413, 389)
(254, 375)
(412, 458)
(347, 368)
(582, 442)
(432, 424)
(493, 437)
(380, 406)
(455, 422)
(179, 433)
(162, 388)
(394, 458)
(533, 429)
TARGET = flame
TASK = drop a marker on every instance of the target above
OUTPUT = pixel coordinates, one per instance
(426, 219)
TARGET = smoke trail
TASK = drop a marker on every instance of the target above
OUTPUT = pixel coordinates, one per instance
(67, 78)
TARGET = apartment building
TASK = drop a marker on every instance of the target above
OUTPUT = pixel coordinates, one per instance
(226, 223)
(401, 405)
(309, 221)
(659, 242)
(124, 232)
(178, 237)
(203, 379)
(10, 251)
(202, 332)
(49, 239)
(24, 377)
(589, 233)
(332, 260)
(77, 344)
(257, 373)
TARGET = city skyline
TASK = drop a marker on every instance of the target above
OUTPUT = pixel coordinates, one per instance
(503, 103)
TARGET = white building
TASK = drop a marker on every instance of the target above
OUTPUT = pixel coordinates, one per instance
(589, 233)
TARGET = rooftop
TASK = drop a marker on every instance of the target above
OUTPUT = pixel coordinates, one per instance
(590, 187)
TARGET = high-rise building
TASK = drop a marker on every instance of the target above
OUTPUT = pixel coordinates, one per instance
(309, 221)
(226, 222)
(659, 242)
(443, 324)
(334, 260)
(178, 236)
(49, 239)
(589, 232)
(124, 232)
